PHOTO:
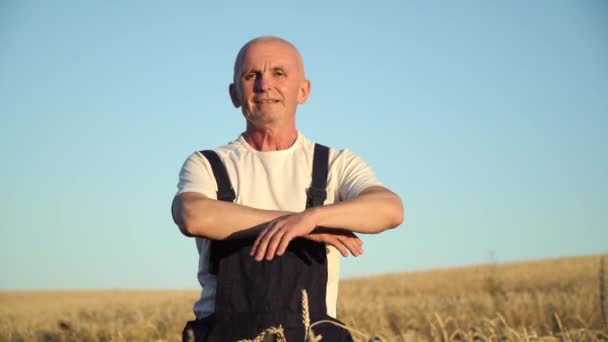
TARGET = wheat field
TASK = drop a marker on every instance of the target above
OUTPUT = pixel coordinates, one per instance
(547, 300)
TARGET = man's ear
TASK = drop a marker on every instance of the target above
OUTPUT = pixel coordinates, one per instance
(304, 92)
(234, 96)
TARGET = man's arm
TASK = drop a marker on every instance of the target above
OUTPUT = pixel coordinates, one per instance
(197, 215)
(374, 210)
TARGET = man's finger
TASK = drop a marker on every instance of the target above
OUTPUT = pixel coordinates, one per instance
(352, 246)
(339, 246)
(349, 246)
(285, 240)
(335, 242)
(358, 241)
(264, 240)
(258, 239)
(274, 243)
(354, 239)
(352, 236)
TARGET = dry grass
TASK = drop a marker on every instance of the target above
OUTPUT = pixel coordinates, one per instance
(547, 298)
(542, 300)
(94, 315)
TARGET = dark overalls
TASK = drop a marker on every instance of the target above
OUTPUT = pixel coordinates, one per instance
(253, 296)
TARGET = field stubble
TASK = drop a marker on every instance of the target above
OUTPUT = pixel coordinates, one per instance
(555, 299)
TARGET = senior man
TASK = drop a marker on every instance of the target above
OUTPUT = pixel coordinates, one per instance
(272, 211)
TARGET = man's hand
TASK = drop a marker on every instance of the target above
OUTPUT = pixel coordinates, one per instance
(345, 241)
(373, 211)
(274, 239)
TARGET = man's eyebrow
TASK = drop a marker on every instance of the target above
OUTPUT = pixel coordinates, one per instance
(245, 72)
(254, 69)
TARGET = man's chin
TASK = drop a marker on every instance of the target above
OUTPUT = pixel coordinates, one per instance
(267, 114)
(263, 118)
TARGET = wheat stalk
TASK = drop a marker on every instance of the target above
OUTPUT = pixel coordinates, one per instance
(309, 335)
(267, 333)
(562, 331)
(444, 333)
(305, 312)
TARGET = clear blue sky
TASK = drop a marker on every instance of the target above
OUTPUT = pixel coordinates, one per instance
(489, 119)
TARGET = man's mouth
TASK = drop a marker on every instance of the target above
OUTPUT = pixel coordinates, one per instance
(266, 101)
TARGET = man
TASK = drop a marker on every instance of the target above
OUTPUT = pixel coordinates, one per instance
(264, 210)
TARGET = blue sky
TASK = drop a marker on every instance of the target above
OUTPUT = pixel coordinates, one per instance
(489, 119)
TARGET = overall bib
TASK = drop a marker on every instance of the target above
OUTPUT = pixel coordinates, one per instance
(252, 296)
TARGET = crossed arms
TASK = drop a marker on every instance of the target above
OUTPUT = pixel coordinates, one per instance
(374, 210)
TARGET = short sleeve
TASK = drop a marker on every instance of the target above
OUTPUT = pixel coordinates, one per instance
(196, 176)
(356, 175)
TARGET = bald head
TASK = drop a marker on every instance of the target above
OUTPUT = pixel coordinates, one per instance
(260, 40)
(269, 84)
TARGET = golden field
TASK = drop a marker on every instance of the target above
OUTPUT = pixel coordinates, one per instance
(549, 300)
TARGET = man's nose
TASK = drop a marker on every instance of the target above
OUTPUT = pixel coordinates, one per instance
(263, 83)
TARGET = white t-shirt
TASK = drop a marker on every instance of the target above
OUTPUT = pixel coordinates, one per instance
(273, 180)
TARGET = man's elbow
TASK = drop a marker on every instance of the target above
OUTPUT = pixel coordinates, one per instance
(180, 217)
(397, 213)
(185, 228)
(397, 219)
(189, 227)
(193, 226)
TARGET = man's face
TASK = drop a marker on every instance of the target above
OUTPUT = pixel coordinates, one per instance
(269, 83)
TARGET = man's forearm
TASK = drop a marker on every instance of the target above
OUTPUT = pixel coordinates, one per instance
(197, 215)
(373, 211)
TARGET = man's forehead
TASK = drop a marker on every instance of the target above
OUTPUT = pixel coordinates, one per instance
(271, 50)
(274, 52)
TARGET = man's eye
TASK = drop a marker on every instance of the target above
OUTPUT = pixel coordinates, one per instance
(249, 77)
(279, 73)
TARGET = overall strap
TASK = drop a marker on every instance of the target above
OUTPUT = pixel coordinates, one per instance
(225, 192)
(317, 194)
